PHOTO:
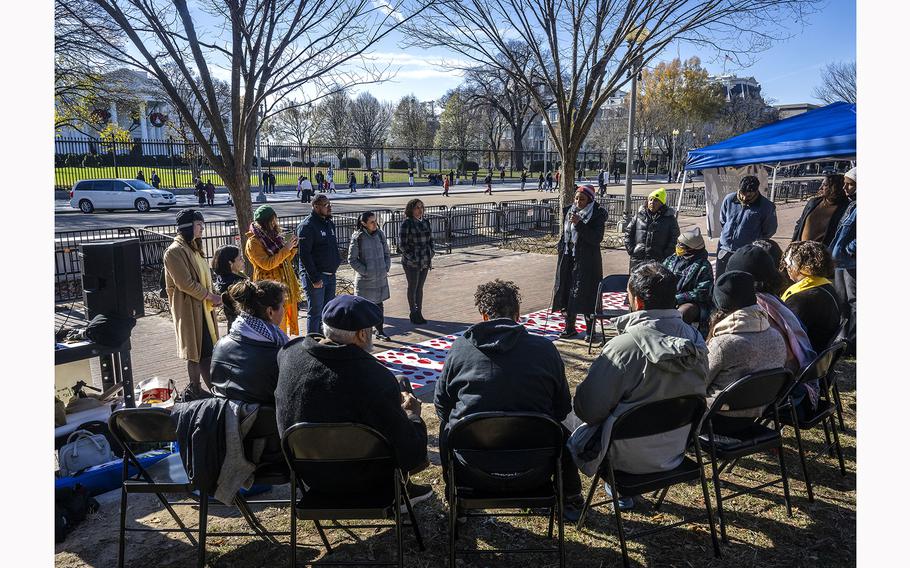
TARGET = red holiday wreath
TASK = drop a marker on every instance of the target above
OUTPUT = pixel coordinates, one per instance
(101, 115)
(157, 119)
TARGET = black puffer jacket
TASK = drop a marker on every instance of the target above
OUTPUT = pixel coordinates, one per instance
(245, 369)
(652, 236)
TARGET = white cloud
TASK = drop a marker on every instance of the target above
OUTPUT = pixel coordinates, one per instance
(384, 6)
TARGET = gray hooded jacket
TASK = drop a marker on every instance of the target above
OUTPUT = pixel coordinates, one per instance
(655, 356)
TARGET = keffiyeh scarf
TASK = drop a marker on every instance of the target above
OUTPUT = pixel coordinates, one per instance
(251, 327)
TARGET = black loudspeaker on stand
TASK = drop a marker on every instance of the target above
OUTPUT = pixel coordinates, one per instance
(112, 279)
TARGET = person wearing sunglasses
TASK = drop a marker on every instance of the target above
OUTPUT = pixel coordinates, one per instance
(745, 217)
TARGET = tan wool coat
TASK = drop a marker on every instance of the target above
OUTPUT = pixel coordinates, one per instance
(186, 293)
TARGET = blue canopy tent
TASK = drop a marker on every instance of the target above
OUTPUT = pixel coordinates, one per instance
(826, 133)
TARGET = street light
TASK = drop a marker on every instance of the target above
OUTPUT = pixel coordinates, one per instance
(673, 153)
(260, 197)
(635, 38)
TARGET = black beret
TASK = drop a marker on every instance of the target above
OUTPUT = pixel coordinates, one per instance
(734, 290)
(756, 261)
(351, 313)
(186, 217)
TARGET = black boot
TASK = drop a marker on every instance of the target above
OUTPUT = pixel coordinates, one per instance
(413, 317)
(419, 317)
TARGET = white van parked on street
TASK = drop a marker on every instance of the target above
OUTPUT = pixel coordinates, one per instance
(90, 194)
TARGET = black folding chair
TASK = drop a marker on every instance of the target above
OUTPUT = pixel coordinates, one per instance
(818, 370)
(262, 446)
(611, 283)
(832, 379)
(648, 420)
(349, 472)
(757, 392)
(505, 460)
(133, 426)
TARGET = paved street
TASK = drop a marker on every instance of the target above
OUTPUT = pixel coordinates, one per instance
(286, 203)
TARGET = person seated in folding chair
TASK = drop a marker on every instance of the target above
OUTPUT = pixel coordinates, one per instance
(244, 362)
(655, 356)
(498, 366)
(740, 341)
(695, 276)
(333, 378)
(813, 297)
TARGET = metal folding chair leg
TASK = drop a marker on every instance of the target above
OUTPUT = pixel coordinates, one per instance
(838, 449)
(838, 406)
(614, 495)
(802, 454)
(783, 474)
(122, 543)
(587, 505)
(203, 527)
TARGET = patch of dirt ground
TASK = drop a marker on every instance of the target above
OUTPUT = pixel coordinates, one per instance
(821, 533)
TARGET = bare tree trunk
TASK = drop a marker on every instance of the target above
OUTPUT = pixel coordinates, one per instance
(567, 179)
(238, 186)
(518, 148)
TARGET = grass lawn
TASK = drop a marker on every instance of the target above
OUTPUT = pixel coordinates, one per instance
(65, 177)
(822, 533)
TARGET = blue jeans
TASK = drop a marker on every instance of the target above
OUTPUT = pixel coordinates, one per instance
(316, 299)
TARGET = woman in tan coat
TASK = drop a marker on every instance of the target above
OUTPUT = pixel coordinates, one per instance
(272, 256)
(188, 282)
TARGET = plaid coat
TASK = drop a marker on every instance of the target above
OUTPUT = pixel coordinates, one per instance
(415, 243)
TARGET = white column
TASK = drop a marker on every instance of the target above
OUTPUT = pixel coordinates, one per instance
(114, 114)
(143, 127)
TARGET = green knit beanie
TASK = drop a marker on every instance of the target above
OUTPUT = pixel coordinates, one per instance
(263, 214)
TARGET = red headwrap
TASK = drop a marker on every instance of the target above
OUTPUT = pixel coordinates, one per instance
(587, 190)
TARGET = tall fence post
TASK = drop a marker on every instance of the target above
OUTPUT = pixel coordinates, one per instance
(170, 150)
(114, 157)
(381, 166)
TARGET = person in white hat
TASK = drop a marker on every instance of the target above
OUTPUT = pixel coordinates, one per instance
(695, 277)
(843, 251)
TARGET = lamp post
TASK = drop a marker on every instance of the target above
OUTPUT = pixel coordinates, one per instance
(673, 153)
(635, 37)
(546, 146)
(260, 197)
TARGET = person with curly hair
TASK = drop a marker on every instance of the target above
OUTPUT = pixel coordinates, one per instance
(812, 298)
(823, 212)
(498, 366)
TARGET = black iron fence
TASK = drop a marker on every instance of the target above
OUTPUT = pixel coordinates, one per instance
(178, 163)
(457, 226)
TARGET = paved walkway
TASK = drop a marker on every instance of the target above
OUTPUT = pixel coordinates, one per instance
(448, 303)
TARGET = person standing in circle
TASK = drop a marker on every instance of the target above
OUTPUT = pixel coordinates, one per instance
(318, 260)
(822, 214)
(652, 233)
(415, 243)
(369, 256)
(579, 268)
(271, 255)
(188, 281)
(227, 264)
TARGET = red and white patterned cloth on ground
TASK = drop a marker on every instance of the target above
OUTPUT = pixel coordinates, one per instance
(422, 363)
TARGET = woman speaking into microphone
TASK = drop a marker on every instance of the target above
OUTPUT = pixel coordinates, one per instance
(579, 268)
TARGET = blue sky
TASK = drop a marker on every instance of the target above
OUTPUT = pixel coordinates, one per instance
(787, 72)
